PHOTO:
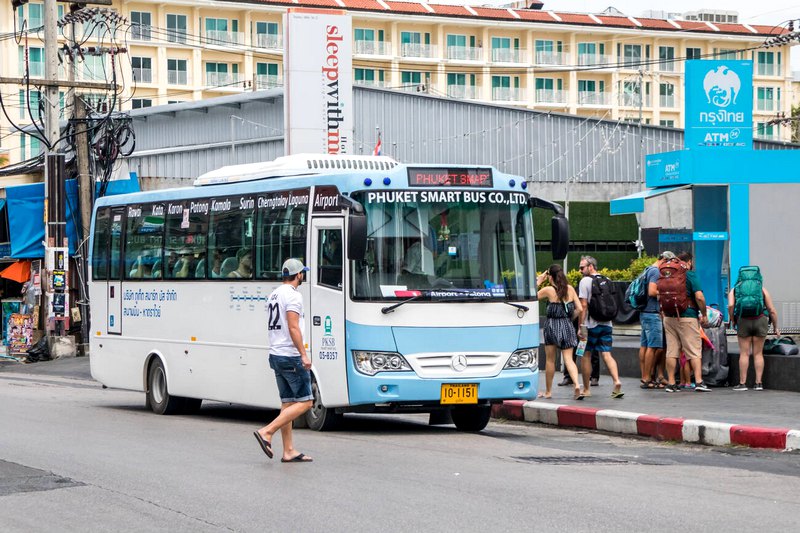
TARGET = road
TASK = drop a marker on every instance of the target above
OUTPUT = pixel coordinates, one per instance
(76, 457)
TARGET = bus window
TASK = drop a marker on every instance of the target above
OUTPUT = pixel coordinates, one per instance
(100, 249)
(185, 240)
(282, 231)
(329, 258)
(144, 238)
(230, 238)
(115, 245)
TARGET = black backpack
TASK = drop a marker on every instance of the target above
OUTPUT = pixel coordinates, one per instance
(603, 305)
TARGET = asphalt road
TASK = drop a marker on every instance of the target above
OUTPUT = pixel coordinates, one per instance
(75, 457)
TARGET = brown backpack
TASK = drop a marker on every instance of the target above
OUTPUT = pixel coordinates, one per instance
(672, 292)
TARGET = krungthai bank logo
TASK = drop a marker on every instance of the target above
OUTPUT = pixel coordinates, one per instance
(722, 86)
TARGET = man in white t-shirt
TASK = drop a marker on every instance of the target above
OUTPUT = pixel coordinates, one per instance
(289, 359)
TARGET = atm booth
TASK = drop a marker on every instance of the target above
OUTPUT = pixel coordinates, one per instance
(745, 202)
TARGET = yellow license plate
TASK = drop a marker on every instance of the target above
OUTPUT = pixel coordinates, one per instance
(459, 393)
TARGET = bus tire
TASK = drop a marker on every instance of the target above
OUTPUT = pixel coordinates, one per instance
(471, 419)
(158, 397)
(319, 417)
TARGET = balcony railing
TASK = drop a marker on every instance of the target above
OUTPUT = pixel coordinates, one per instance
(666, 66)
(593, 98)
(464, 92)
(768, 104)
(176, 36)
(593, 60)
(464, 53)
(215, 37)
(374, 48)
(143, 75)
(769, 136)
(370, 83)
(268, 40)
(768, 69)
(417, 50)
(140, 32)
(506, 94)
(177, 77)
(507, 55)
(550, 58)
(666, 100)
(634, 100)
(550, 96)
(221, 79)
(36, 70)
(268, 81)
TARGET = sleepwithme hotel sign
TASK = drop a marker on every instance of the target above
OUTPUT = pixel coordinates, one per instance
(719, 105)
(318, 82)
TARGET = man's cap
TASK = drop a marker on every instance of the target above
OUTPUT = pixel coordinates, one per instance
(293, 266)
(667, 255)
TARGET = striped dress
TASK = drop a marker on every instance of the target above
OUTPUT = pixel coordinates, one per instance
(559, 330)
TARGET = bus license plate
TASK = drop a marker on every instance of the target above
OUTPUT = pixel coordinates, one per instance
(459, 393)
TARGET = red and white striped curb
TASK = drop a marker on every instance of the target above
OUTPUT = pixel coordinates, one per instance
(657, 427)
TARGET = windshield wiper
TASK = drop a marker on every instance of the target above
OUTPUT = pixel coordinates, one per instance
(523, 308)
(390, 308)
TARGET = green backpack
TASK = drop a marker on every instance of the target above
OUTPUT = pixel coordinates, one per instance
(748, 293)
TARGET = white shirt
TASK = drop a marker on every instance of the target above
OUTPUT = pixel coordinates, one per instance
(585, 293)
(282, 300)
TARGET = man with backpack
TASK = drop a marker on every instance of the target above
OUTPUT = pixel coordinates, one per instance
(683, 307)
(642, 296)
(751, 310)
(598, 297)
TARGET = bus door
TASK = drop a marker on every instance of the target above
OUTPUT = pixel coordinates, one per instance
(327, 297)
(114, 286)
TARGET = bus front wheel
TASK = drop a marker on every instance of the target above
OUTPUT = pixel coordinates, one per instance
(158, 396)
(319, 417)
(471, 419)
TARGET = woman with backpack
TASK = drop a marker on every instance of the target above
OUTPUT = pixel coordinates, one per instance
(559, 332)
(751, 310)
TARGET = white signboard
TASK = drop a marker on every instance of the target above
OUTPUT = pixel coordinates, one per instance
(318, 81)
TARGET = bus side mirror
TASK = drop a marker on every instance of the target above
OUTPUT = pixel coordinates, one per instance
(357, 236)
(560, 237)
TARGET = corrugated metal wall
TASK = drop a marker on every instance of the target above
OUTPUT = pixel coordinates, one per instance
(543, 147)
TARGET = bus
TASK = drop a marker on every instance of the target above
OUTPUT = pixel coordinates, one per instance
(421, 294)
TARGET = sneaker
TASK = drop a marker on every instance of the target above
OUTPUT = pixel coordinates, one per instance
(672, 388)
(594, 382)
(564, 382)
(742, 386)
(702, 387)
(758, 386)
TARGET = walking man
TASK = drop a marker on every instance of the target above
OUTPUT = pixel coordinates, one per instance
(597, 333)
(684, 309)
(289, 360)
(651, 341)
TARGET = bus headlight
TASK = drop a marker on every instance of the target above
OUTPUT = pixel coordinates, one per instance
(370, 363)
(524, 358)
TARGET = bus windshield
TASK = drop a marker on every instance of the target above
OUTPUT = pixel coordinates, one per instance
(445, 245)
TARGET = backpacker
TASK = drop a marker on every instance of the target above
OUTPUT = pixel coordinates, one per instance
(636, 293)
(672, 294)
(748, 293)
(603, 305)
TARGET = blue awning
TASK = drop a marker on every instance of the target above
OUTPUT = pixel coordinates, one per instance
(25, 207)
(120, 186)
(634, 203)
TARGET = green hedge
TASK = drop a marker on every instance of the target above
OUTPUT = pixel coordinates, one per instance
(589, 221)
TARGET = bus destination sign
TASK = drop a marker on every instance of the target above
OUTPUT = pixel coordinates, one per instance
(450, 177)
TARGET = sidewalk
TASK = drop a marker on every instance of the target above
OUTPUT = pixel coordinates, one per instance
(766, 419)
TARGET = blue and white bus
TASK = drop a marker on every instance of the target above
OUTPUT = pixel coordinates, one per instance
(420, 296)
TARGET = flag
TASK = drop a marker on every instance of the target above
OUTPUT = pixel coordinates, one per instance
(377, 149)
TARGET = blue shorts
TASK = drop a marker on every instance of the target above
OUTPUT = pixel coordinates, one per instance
(294, 381)
(599, 339)
(652, 330)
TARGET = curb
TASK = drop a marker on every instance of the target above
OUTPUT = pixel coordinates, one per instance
(656, 427)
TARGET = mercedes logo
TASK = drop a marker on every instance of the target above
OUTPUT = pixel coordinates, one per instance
(459, 363)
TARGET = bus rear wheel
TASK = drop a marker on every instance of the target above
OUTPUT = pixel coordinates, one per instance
(471, 419)
(159, 399)
(319, 417)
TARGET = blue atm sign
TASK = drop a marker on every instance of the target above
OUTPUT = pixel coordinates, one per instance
(719, 105)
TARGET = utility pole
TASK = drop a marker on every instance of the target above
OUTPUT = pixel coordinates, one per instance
(86, 191)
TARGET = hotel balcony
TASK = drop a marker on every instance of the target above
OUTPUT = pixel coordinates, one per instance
(548, 96)
(463, 92)
(550, 58)
(464, 53)
(506, 94)
(218, 38)
(594, 98)
(508, 55)
(418, 50)
(268, 40)
(373, 48)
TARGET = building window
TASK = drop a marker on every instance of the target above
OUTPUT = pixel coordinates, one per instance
(765, 130)
(142, 69)
(667, 123)
(94, 68)
(767, 64)
(176, 72)
(666, 95)
(632, 55)
(407, 77)
(35, 61)
(221, 31)
(693, 53)
(221, 74)
(176, 28)
(768, 99)
(592, 54)
(726, 54)
(140, 25)
(267, 35)
(30, 146)
(139, 103)
(666, 59)
(267, 76)
(35, 101)
(415, 44)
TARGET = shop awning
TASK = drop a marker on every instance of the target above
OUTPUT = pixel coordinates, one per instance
(25, 207)
(19, 271)
(634, 203)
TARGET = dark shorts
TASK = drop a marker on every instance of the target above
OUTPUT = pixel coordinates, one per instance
(599, 339)
(294, 381)
(753, 327)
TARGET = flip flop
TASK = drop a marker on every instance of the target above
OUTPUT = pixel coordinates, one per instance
(580, 396)
(265, 444)
(617, 394)
(300, 458)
